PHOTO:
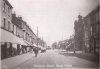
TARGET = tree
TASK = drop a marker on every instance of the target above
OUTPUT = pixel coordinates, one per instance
(79, 33)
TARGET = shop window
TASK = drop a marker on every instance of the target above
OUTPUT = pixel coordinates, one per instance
(3, 50)
(8, 45)
(18, 49)
(9, 50)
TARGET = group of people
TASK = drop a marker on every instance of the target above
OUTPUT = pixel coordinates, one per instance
(36, 50)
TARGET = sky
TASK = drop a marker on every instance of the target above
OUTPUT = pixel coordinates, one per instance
(54, 18)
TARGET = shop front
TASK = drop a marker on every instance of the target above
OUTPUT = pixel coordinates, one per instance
(11, 45)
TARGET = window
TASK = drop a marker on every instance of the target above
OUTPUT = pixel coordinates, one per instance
(97, 17)
(4, 23)
(97, 28)
(8, 25)
(13, 29)
(27, 36)
(8, 11)
(16, 31)
(91, 30)
(4, 7)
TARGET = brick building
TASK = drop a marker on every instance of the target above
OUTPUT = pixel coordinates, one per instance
(16, 36)
(5, 23)
(6, 17)
(92, 32)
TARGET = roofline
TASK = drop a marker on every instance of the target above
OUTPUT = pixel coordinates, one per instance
(8, 3)
(93, 11)
(29, 27)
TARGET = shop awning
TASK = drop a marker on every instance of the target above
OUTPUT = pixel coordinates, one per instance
(6, 36)
(40, 46)
(27, 43)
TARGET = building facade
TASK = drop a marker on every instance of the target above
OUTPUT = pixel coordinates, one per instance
(16, 36)
(6, 17)
(92, 32)
(5, 22)
(87, 32)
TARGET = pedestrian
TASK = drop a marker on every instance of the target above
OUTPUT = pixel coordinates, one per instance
(36, 51)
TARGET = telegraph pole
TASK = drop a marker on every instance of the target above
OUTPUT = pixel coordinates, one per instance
(37, 36)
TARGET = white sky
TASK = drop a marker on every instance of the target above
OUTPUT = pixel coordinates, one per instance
(54, 18)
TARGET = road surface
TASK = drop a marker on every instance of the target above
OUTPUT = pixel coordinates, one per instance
(52, 59)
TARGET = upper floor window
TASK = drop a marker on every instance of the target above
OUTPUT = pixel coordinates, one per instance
(4, 7)
(97, 28)
(97, 17)
(13, 28)
(8, 11)
(91, 30)
(8, 25)
(4, 23)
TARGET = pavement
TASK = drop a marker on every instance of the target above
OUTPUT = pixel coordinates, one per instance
(86, 56)
(49, 60)
(12, 62)
(89, 57)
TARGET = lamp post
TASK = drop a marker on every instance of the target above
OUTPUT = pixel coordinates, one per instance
(74, 46)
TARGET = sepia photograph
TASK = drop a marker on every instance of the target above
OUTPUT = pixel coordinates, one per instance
(49, 34)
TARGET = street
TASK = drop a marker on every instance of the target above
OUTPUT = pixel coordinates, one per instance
(64, 33)
(52, 59)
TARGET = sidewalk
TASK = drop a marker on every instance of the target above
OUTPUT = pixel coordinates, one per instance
(86, 56)
(12, 62)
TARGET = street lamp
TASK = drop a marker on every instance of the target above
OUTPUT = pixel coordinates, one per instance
(74, 45)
